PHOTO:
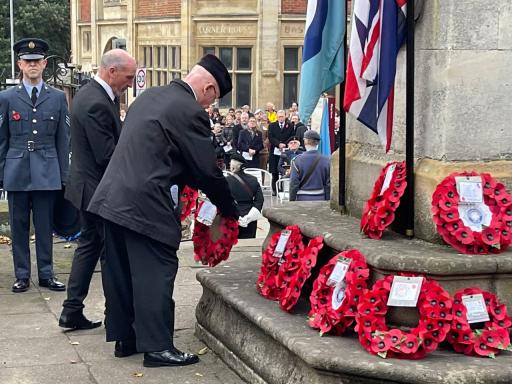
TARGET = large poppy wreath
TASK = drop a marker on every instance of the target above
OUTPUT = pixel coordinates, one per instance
(333, 316)
(267, 283)
(294, 272)
(434, 306)
(379, 211)
(456, 230)
(188, 201)
(211, 252)
(489, 339)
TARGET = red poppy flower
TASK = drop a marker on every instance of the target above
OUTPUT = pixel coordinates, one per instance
(409, 344)
(188, 201)
(483, 349)
(16, 116)
(381, 343)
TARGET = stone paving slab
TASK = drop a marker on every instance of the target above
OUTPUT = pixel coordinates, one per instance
(50, 374)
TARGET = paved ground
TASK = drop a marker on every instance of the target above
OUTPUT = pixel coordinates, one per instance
(33, 349)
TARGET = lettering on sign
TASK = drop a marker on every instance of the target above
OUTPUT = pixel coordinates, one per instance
(224, 29)
(293, 29)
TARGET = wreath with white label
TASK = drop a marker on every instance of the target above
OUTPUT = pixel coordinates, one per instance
(284, 245)
(188, 201)
(335, 295)
(434, 306)
(479, 221)
(487, 340)
(379, 211)
(207, 250)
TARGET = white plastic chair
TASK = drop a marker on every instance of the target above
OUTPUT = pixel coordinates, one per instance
(283, 189)
(264, 179)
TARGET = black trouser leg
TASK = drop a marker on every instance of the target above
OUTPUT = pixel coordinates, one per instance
(117, 285)
(43, 203)
(19, 220)
(87, 254)
(154, 266)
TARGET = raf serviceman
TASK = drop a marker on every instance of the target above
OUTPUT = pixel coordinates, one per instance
(310, 177)
(34, 161)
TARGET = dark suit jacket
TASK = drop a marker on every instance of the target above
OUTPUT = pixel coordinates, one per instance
(276, 135)
(242, 196)
(95, 129)
(166, 140)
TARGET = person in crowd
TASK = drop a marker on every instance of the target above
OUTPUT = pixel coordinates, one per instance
(238, 115)
(247, 192)
(122, 115)
(216, 116)
(250, 143)
(262, 126)
(244, 120)
(34, 162)
(310, 172)
(278, 134)
(291, 152)
(246, 108)
(227, 134)
(219, 143)
(336, 132)
(95, 130)
(231, 111)
(271, 113)
(299, 127)
(294, 108)
(165, 141)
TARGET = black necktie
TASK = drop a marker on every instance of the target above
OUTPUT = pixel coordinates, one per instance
(34, 96)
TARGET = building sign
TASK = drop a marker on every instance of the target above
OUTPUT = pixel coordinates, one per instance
(140, 81)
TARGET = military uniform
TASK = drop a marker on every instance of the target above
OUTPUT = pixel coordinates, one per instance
(34, 161)
(318, 185)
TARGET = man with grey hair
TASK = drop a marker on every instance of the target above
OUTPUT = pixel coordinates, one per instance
(95, 129)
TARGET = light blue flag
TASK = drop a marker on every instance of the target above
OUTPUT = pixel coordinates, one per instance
(322, 57)
(325, 138)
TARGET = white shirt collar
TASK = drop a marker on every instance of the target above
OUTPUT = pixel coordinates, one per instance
(106, 87)
(194, 92)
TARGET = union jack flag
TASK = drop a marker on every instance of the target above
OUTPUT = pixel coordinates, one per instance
(378, 31)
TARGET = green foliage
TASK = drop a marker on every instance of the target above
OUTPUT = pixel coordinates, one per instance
(45, 19)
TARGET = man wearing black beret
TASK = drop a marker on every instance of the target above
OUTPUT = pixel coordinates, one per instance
(165, 141)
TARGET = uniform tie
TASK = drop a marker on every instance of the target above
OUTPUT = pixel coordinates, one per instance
(34, 96)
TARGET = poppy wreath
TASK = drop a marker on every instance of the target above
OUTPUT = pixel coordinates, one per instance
(492, 239)
(188, 201)
(322, 315)
(379, 211)
(210, 252)
(434, 307)
(487, 341)
(267, 283)
(294, 272)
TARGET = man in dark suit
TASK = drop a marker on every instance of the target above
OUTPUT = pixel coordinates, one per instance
(278, 134)
(34, 161)
(244, 120)
(95, 129)
(165, 141)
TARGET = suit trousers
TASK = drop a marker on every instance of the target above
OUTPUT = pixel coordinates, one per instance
(41, 204)
(87, 254)
(273, 163)
(139, 274)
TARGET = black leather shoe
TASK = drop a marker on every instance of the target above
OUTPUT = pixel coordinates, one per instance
(171, 357)
(125, 348)
(21, 285)
(77, 321)
(52, 284)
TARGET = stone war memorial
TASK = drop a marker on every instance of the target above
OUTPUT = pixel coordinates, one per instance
(267, 330)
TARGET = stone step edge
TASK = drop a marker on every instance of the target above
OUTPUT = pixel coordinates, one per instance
(379, 253)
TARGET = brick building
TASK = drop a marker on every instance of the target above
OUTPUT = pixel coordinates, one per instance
(259, 40)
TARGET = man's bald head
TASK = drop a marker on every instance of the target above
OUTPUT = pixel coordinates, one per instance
(204, 85)
(117, 69)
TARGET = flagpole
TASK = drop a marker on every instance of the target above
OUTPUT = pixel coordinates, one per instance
(342, 135)
(409, 122)
(11, 14)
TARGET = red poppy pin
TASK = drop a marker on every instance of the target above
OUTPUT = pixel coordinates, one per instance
(16, 116)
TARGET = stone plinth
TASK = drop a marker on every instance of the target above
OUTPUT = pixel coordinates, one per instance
(266, 345)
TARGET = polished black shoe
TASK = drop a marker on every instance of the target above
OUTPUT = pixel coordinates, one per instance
(21, 285)
(52, 284)
(171, 357)
(125, 348)
(77, 321)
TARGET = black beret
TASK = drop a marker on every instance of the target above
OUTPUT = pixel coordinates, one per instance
(293, 138)
(312, 135)
(31, 49)
(219, 71)
(238, 157)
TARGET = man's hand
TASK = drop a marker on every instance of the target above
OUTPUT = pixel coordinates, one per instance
(282, 145)
(252, 152)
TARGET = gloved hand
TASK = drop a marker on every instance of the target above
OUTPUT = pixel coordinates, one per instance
(242, 222)
(253, 215)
